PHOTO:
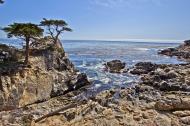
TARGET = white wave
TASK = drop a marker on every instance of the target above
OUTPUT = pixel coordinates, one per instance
(105, 80)
(97, 85)
(142, 49)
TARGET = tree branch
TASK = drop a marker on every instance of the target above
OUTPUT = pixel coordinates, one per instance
(56, 112)
(50, 32)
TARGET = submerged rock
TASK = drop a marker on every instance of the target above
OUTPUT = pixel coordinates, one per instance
(115, 66)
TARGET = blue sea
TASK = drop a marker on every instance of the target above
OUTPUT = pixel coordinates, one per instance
(89, 57)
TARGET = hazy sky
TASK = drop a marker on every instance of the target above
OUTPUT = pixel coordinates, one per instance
(106, 19)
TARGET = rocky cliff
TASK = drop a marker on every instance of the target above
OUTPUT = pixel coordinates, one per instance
(160, 98)
(49, 74)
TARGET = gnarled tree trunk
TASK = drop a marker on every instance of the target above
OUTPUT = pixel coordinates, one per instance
(58, 44)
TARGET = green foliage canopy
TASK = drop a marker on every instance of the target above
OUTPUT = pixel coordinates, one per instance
(55, 27)
(25, 31)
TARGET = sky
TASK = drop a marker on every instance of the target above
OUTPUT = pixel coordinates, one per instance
(106, 19)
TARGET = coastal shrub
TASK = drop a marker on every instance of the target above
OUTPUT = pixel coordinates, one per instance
(55, 48)
(4, 47)
(60, 50)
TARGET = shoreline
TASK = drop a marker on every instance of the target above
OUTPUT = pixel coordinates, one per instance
(161, 98)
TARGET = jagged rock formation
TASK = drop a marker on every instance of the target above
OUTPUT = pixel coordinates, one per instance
(182, 52)
(49, 74)
(161, 98)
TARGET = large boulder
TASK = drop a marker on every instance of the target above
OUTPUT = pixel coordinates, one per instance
(115, 66)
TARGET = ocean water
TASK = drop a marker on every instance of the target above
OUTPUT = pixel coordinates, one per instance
(89, 57)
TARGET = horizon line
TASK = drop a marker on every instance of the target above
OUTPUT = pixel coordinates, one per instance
(132, 40)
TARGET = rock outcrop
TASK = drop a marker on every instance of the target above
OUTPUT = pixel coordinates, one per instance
(49, 74)
(173, 104)
(143, 68)
(115, 66)
(160, 98)
(182, 52)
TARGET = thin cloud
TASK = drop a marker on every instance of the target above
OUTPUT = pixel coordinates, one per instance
(109, 3)
(117, 3)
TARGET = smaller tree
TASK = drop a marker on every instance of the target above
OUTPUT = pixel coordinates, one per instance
(24, 31)
(55, 28)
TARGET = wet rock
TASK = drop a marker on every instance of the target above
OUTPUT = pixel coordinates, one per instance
(69, 84)
(185, 87)
(175, 87)
(172, 79)
(171, 75)
(182, 52)
(168, 86)
(164, 86)
(115, 66)
(82, 80)
(168, 52)
(143, 68)
(164, 76)
(187, 42)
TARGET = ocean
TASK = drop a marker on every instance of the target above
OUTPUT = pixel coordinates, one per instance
(89, 57)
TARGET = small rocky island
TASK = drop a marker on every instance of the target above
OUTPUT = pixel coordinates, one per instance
(44, 93)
